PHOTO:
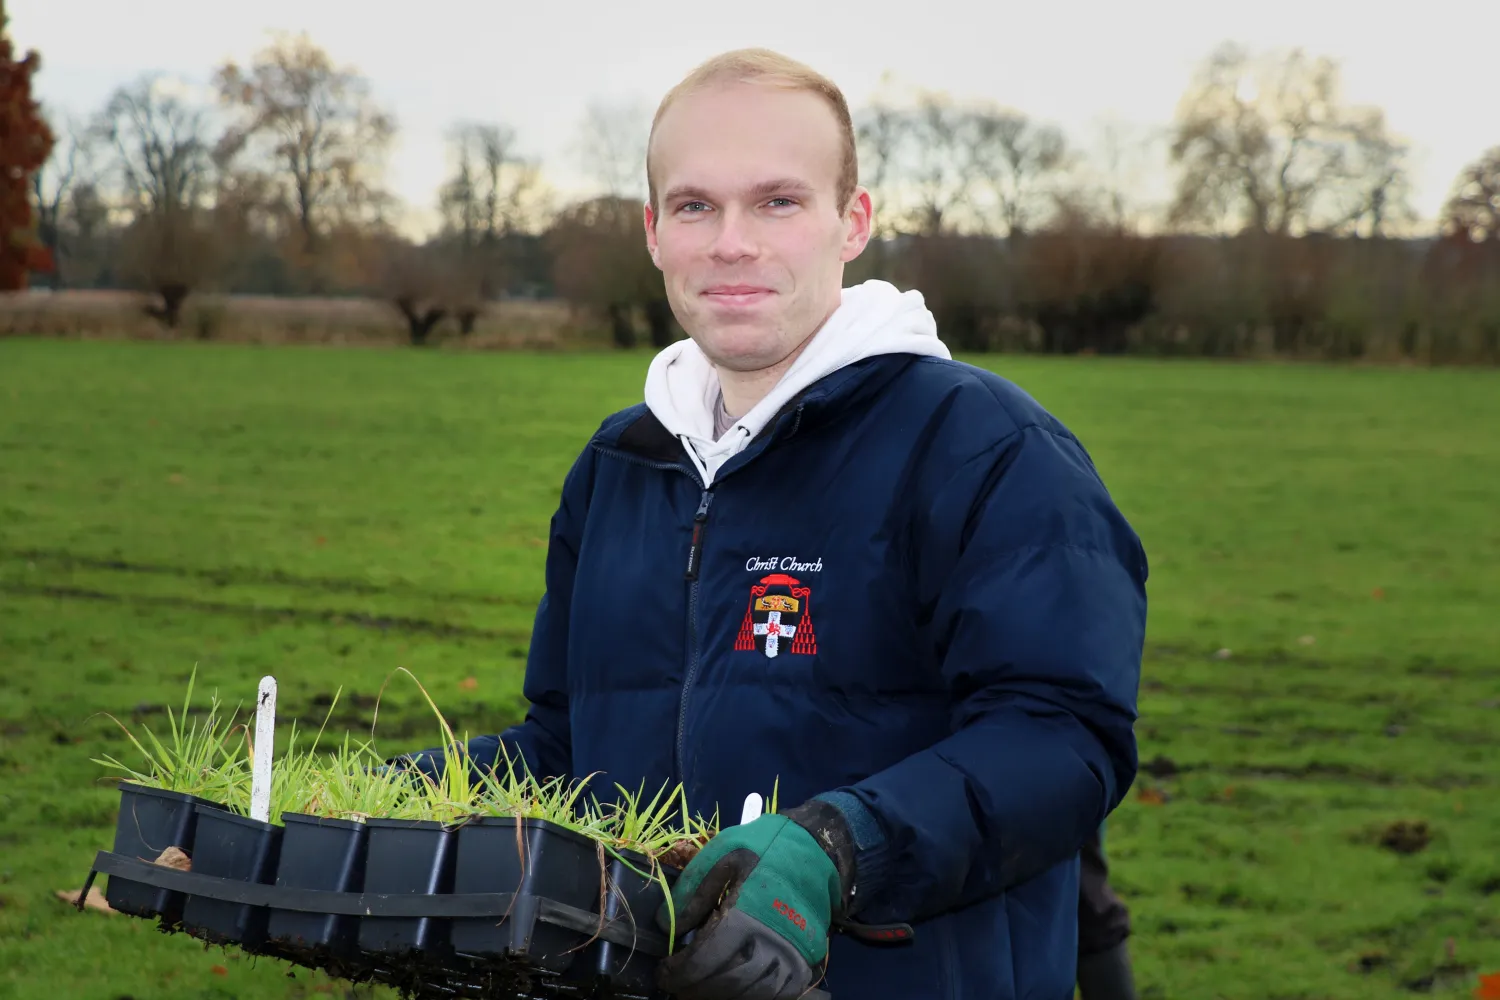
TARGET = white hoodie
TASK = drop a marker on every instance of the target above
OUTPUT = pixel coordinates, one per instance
(682, 387)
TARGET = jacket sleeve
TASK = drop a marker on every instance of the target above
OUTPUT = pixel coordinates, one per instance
(543, 739)
(1032, 587)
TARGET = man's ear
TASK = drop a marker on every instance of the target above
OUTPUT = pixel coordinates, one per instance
(652, 247)
(860, 220)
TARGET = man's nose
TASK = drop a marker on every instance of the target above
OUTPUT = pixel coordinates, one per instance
(735, 238)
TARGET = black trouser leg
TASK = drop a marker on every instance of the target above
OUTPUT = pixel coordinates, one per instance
(1104, 971)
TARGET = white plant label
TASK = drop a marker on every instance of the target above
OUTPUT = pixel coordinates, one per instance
(752, 808)
(265, 743)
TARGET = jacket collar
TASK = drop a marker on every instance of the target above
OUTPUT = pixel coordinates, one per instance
(818, 405)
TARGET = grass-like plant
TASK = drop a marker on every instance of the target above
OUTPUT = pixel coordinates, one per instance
(512, 790)
(197, 757)
(643, 828)
(350, 784)
(450, 796)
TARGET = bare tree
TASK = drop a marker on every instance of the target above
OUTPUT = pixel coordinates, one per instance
(493, 194)
(913, 159)
(935, 164)
(170, 254)
(70, 167)
(494, 190)
(611, 147)
(600, 263)
(1266, 142)
(1106, 184)
(418, 284)
(1473, 208)
(160, 145)
(161, 157)
(1010, 161)
(938, 165)
(881, 132)
(315, 127)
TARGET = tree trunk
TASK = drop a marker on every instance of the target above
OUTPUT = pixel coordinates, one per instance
(620, 325)
(659, 319)
(169, 313)
(420, 322)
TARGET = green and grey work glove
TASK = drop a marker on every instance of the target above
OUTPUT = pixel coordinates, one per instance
(760, 900)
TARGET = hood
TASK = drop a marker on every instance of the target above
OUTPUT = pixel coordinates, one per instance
(874, 318)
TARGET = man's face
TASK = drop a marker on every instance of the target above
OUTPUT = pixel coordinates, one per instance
(748, 233)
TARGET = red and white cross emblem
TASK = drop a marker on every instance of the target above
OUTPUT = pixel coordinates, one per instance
(772, 629)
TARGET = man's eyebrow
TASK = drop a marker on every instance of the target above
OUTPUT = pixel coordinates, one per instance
(763, 189)
(781, 185)
(683, 191)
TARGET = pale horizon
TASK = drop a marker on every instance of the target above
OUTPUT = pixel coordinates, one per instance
(537, 68)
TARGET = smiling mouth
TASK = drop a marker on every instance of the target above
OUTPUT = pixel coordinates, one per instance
(737, 295)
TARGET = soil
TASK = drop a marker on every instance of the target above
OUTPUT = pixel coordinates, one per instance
(679, 854)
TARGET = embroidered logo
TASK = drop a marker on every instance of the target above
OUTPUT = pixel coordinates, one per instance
(778, 618)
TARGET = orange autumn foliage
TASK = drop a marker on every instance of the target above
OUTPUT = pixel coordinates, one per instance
(25, 143)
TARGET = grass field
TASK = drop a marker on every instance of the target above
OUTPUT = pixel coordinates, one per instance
(1323, 661)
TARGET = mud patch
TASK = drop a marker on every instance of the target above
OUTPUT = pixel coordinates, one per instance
(263, 613)
(257, 577)
(1406, 837)
(1161, 767)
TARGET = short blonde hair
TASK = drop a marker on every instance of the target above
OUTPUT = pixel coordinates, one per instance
(766, 67)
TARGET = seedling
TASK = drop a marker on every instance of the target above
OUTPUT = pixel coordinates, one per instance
(453, 794)
(350, 785)
(198, 758)
(645, 829)
(513, 791)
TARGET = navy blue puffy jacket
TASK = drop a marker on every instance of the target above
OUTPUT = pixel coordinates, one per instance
(912, 590)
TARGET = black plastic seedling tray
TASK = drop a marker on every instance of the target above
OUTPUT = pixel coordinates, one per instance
(439, 975)
(485, 908)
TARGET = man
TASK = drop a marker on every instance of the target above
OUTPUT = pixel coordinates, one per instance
(822, 553)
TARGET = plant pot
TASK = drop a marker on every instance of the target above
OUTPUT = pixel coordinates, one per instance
(634, 897)
(237, 847)
(541, 860)
(407, 856)
(318, 852)
(150, 821)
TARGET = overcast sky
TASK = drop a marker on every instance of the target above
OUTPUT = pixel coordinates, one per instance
(535, 65)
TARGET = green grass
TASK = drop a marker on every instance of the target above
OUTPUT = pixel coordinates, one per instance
(329, 516)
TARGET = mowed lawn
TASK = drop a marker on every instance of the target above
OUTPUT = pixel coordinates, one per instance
(1320, 730)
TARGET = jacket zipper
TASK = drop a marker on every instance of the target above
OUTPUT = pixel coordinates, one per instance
(700, 520)
(694, 564)
(695, 559)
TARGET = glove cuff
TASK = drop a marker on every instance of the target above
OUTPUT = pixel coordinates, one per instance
(852, 838)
